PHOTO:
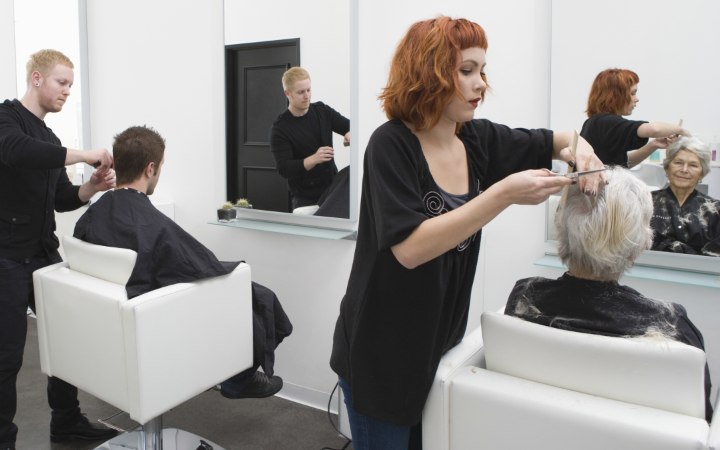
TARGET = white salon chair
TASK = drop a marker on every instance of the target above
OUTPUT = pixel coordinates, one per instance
(525, 385)
(146, 355)
(306, 210)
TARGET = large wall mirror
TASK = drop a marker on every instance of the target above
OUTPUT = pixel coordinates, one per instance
(668, 44)
(260, 44)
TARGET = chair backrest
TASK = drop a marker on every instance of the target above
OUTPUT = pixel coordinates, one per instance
(107, 263)
(663, 374)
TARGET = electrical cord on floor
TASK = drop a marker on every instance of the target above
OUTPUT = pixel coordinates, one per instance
(334, 425)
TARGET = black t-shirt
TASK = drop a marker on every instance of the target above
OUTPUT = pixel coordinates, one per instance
(292, 139)
(602, 307)
(396, 323)
(612, 136)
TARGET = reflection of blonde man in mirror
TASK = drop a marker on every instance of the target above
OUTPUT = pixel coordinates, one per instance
(617, 140)
(599, 238)
(301, 140)
(685, 219)
(33, 185)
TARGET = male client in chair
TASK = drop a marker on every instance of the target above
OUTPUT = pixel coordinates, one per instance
(599, 238)
(167, 254)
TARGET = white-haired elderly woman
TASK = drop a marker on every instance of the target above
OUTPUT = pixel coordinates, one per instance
(599, 238)
(686, 220)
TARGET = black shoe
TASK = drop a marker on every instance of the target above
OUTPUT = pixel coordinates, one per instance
(81, 429)
(259, 386)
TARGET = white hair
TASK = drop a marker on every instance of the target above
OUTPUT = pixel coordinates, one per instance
(604, 234)
(689, 144)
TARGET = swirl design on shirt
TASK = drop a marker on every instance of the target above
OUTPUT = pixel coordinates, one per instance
(435, 206)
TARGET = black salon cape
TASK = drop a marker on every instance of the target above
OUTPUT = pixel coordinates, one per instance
(167, 254)
(693, 228)
(602, 307)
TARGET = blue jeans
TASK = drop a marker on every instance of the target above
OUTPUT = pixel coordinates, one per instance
(16, 294)
(373, 434)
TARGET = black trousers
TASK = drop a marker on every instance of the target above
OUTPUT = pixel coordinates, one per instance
(16, 294)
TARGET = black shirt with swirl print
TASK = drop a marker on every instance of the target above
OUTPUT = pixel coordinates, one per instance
(396, 323)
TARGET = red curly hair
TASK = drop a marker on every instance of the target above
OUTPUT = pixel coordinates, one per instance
(611, 92)
(423, 74)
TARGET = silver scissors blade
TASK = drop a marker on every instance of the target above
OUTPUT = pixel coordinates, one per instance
(574, 175)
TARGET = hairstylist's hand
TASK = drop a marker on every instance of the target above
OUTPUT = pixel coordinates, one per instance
(100, 158)
(102, 180)
(532, 187)
(586, 159)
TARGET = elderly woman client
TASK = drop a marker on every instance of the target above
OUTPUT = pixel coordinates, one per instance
(686, 220)
(600, 237)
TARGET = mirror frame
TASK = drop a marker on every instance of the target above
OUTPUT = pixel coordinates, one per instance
(354, 160)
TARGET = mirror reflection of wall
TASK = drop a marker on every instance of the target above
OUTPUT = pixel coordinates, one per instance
(323, 43)
(669, 45)
(58, 23)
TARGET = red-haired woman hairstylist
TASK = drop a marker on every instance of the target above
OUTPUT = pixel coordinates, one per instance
(433, 177)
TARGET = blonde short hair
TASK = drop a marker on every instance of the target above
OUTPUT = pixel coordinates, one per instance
(44, 61)
(292, 76)
(604, 234)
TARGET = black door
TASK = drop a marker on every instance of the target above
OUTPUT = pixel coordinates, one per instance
(254, 100)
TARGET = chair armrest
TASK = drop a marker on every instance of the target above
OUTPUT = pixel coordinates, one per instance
(436, 418)
(183, 339)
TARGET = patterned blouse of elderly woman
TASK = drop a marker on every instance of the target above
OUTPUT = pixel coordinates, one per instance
(686, 220)
(599, 238)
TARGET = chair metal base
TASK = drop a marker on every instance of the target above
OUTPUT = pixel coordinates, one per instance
(172, 439)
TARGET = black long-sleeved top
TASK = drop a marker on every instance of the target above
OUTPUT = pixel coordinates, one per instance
(33, 183)
(292, 139)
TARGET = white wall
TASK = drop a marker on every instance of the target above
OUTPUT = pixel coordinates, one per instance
(671, 48)
(172, 79)
(7, 50)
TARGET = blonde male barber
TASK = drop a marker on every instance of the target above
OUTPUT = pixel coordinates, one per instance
(33, 185)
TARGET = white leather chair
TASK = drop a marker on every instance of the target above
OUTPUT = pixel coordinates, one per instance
(306, 210)
(145, 355)
(544, 388)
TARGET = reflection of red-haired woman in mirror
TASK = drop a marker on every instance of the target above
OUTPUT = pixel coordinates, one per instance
(433, 177)
(617, 140)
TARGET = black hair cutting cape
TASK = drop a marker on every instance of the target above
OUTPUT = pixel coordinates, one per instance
(167, 254)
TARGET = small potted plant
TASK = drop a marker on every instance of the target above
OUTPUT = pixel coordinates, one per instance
(243, 203)
(226, 212)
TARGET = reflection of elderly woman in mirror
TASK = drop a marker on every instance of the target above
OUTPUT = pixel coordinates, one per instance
(617, 140)
(685, 219)
(599, 238)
